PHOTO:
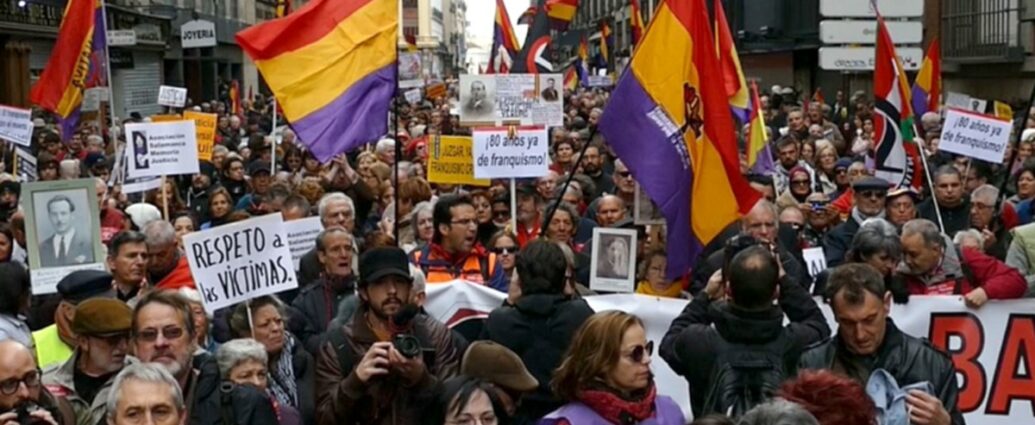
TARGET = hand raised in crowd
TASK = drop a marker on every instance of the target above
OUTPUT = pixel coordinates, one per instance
(714, 289)
(410, 369)
(976, 298)
(989, 238)
(375, 362)
(40, 415)
(926, 409)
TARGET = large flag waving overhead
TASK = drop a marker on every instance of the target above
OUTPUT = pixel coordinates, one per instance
(331, 65)
(895, 157)
(671, 126)
(561, 12)
(927, 89)
(504, 42)
(535, 54)
(76, 63)
(732, 74)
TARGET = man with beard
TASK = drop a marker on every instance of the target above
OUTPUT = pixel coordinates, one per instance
(197, 193)
(453, 252)
(163, 333)
(362, 376)
(102, 329)
(22, 392)
(316, 302)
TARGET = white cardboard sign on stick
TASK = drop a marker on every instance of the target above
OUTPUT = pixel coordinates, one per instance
(499, 154)
(175, 97)
(16, 125)
(240, 261)
(975, 135)
(165, 148)
(301, 236)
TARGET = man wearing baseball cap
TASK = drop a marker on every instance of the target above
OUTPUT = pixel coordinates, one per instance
(365, 372)
(102, 327)
(54, 343)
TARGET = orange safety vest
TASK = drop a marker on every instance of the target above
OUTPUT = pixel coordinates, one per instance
(475, 268)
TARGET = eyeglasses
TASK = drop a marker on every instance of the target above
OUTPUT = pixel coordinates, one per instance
(640, 351)
(505, 250)
(168, 332)
(465, 222)
(31, 380)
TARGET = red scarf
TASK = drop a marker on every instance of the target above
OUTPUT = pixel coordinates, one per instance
(618, 410)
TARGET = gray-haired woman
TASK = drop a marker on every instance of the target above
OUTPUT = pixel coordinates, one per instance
(243, 362)
(290, 367)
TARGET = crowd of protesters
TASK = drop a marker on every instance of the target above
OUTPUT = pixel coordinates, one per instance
(353, 344)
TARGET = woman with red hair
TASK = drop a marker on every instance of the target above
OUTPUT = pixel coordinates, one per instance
(832, 399)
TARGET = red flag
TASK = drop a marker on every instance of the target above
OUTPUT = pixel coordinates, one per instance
(635, 21)
(235, 98)
(895, 156)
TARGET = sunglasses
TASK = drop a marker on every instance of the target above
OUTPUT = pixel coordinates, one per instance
(624, 174)
(168, 332)
(640, 351)
(505, 250)
(871, 194)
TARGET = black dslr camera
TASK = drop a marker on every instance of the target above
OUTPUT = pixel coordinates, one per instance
(404, 342)
(25, 415)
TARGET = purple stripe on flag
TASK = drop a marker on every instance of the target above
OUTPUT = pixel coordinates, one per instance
(648, 143)
(764, 164)
(359, 115)
(919, 101)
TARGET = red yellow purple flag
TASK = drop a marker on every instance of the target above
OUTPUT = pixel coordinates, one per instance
(70, 67)
(505, 46)
(729, 60)
(635, 21)
(332, 66)
(672, 127)
(927, 89)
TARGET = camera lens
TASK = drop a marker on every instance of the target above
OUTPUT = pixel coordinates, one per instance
(408, 345)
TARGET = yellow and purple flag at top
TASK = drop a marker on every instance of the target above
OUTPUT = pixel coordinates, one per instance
(671, 126)
(331, 66)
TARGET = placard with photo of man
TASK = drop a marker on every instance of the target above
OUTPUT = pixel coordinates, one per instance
(613, 266)
(62, 230)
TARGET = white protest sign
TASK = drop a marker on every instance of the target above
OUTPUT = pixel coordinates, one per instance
(175, 97)
(26, 166)
(957, 100)
(143, 184)
(240, 261)
(975, 135)
(985, 344)
(166, 148)
(815, 260)
(16, 125)
(413, 96)
(599, 81)
(498, 155)
(301, 236)
(504, 99)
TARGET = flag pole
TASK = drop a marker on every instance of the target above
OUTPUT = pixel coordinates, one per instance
(398, 149)
(567, 182)
(930, 183)
(273, 132)
(107, 70)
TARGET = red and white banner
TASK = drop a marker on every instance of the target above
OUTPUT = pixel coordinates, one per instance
(993, 347)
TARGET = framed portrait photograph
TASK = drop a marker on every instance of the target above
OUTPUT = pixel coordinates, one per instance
(613, 266)
(477, 100)
(645, 212)
(62, 230)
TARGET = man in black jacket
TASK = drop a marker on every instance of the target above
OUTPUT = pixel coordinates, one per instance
(316, 305)
(870, 194)
(761, 224)
(868, 340)
(540, 324)
(709, 334)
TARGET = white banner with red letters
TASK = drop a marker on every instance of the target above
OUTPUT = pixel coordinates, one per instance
(993, 347)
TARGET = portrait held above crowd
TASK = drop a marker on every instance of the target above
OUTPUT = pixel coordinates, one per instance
(571, 237)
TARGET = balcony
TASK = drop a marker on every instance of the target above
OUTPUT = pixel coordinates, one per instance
(987, 31)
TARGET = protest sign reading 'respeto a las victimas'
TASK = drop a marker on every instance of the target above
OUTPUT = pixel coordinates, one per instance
(240, 261)
(975, 135)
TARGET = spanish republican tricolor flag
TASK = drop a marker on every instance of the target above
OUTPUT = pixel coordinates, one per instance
(69, 69)
(732, 74)
(571, 78)
(331, 66)
(670, 124)
(927, 89)
(561, 12)
(504, 42)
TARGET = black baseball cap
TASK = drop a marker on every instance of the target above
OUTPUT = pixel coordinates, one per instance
(385, 261)
(259, 166)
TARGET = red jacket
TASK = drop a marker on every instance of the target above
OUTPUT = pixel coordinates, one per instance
(178, 278)
(1001, 282)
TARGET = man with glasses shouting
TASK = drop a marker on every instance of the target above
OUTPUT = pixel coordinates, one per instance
(101, 326)
(454, 252)
(23, 399)
(164, 333)
(870, 195)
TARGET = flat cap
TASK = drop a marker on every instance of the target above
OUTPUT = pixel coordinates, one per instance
(497, 364)
(101, 317)
(871, 183)
(81, 285)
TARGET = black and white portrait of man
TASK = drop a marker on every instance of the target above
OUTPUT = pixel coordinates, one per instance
(62, 219)
(614, 259)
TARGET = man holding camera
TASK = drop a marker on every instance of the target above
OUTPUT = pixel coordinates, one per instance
(379, 367)
(23, 399)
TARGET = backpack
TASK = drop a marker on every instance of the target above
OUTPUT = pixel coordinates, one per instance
(746, 375)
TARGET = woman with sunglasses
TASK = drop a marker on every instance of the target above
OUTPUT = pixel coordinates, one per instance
(504, 245)
(606, 378)
(799, 187)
